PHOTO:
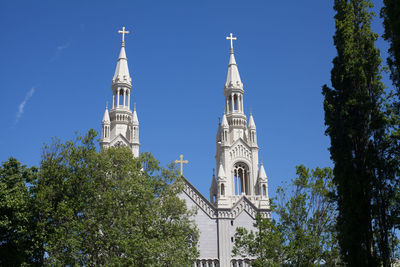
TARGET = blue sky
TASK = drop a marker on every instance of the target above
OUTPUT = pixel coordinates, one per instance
(58, 58)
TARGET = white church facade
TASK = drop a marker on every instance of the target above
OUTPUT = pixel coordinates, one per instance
(240, 189)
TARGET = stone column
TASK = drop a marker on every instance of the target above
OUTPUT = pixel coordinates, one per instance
(124, 102)
(118, 98)
(232, 104)
(113, 105)
(129, 99)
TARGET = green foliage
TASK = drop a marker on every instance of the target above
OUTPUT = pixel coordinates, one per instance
(391, 15)
(19, 239)
(307, 218)
(265, 244)
(111, 209)
(359, 119)
(304, 232)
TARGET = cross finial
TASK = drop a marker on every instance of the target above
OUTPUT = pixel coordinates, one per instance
(181, 161)
(123, 32)
(231, 38)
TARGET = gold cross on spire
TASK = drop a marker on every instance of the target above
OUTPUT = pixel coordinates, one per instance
(181, 161)
(231, 38)
(123, 34)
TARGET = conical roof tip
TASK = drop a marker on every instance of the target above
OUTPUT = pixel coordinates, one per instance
(122, 71)
(233, 77)
(135, 117)
(261, 174)
(252, 125)
(106, 117)
(224, 121)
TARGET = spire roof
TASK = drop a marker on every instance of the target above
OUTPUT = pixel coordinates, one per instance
(224, 122)
(135, 118)
(252, 125)
(233, 77)
(106, 117)
(121, 74)
(221, 172)
(261, 174)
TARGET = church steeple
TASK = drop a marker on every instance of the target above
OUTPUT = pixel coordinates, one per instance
(121, 74)
(237, 150)
(232, 77)
(123, 123)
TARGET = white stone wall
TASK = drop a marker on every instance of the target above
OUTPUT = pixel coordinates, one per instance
(208, 240)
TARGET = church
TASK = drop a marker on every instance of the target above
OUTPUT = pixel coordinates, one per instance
(240, 189)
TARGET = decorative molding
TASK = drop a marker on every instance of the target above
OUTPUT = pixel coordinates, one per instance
(240, 151)
(199, 199)
(244, 204)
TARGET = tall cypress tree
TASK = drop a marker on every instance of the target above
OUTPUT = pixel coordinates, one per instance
(391, 15)
(353, 117)
(391, 21)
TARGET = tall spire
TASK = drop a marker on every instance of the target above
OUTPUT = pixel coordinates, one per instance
(120, 124)
(232, 77)
(121, 74)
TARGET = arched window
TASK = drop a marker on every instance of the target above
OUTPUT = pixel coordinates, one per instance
(264, 190)
(121, 97)
(241, 178)
(235, 102)
(222, 190)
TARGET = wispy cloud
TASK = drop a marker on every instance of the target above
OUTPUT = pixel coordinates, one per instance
(21, 106)
(58, 50)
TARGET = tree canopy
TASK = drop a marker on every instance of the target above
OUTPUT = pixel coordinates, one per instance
(301, 231)
(92, 208)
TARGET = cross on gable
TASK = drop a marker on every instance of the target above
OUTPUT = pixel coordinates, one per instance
(181, 161)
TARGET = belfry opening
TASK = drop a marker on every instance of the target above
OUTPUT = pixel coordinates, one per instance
(241, 178)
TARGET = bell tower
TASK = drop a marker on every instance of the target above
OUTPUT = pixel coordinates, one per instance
(120, 126)
(238, 171)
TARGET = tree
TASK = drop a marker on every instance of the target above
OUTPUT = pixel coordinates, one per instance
(391, 15)
(390, 12)
(265, 244)
(108, 208)
(303, 233)
(20, 244)
(357, 126)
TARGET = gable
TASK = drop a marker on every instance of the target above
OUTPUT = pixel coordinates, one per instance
(200, 201)
(240, 149)
(119, 140)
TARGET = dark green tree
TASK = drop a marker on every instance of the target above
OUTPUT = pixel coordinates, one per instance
(391, 21)
(110, 209)
(20, 243)
(390, 12)
(357, 125)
